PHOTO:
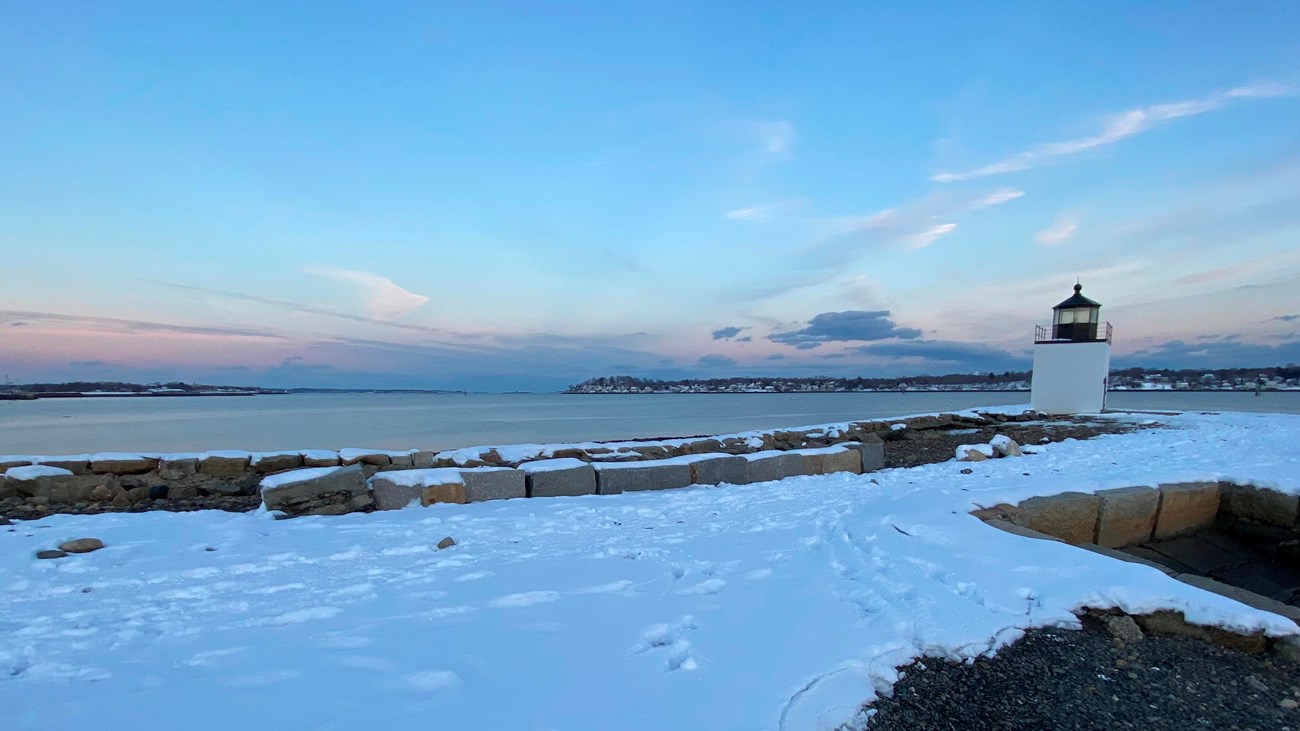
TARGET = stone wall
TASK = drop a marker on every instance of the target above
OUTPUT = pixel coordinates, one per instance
(317, 491)
(123, 479)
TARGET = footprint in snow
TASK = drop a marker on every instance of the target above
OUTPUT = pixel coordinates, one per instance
(525, 599)
(706, 587)
(669, 637)
(429, 681)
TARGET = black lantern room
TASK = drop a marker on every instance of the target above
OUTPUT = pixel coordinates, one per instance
(1076, 318)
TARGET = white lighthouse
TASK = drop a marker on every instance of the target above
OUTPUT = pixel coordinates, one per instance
(1072, 366)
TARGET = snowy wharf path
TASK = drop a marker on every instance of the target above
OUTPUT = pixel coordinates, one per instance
(782, 605)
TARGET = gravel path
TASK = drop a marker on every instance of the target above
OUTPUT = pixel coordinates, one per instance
(915, 448)
(1084, 680)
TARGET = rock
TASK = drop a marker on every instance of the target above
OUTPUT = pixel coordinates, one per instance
(1288, 648)
(121, 500)
(81, 545)
(493, 483)
(1186, 507)
(158, 492)
(60, 488)
(1288, 703)
(124, 464)
(1004, 446)
(224, 466)
(1171, 622)
(1126, 516)
(872, 449)
(308, 491)
(453, 492)
(1236, 593)
(559, 477)
(771, 465)
(102, 494)
(178, 469)
(374, 459)
(613, 478)
(75, 466)
(718, 469)
(50, 554)
(320, 458)
(1019, 530)
(973, 452)
(1122, 627)
(423, 460)
(270, 463)
(1070, 516)
(1260, 504)
(447, 542)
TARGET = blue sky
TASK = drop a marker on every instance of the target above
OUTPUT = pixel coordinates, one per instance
(520, 196)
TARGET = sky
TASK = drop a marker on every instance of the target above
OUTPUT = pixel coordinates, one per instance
(520, 196)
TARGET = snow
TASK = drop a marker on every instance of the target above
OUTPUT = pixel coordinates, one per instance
(984, 449)
(281, 479)
(423, 478)
(549, 465)
(31, 472)
(784, 605)
(352, 453)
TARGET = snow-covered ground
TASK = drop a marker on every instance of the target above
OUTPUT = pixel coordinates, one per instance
(782, 605)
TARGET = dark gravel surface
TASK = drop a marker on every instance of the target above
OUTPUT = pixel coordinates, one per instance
(1084, 680)
(927, 447)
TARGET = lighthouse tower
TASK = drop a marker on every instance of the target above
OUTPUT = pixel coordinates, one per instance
(1072, 360)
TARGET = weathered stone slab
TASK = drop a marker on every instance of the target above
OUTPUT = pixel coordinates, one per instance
(834, 459)
(269, 463)
(1070, 516)
(57, 484)
(1261, 504)
(75, 466)
(493, 483)
(392, 492)
(225, 466)
(1171, 622)
(772, 465)
(361, 456)
(172, 468)
(1126, 557)
(320, 458)
(719, 469)
(401, 462)
(559, 477)
(450, 492)
(1126, 516)
(423, 460)
(7, 464)
(613, 478)
(1020, 530)
(317, 491)
(1186, 507)
(872, 452)
(1201, 556)
(122, 464)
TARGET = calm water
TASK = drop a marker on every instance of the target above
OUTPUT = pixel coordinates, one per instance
(429, 421)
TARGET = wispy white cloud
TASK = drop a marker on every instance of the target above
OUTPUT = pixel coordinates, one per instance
(384, 299)
(1120, 127)
(1062, 230)
(930, 235)
(762, 212)
(774, 138)
(997, 198)
(920, 223)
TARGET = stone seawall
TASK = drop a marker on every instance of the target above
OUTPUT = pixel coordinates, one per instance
(122, 480)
